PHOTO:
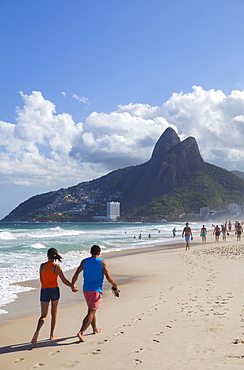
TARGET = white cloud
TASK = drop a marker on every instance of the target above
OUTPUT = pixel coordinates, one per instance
(213, 118)
(47, 149)
(35, 150)
(118, 139)
(81, 99)
(64, 93)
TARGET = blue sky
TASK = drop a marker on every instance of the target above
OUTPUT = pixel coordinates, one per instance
(89, 86)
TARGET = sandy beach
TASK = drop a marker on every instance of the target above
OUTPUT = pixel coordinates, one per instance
(177, 310)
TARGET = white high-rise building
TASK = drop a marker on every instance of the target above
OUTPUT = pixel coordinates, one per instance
(113, 211)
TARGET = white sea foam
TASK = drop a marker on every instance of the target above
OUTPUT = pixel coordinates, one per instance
(8, 293)
(54, 233)
(38, 246)
(6, 235)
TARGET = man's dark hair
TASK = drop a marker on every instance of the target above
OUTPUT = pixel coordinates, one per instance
(95, 250)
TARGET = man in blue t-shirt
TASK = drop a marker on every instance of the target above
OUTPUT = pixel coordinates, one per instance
(94, 269)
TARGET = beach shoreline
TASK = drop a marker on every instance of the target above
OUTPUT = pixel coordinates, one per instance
(19, 308)
(179, 310)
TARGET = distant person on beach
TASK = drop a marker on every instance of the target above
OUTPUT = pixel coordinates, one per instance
(204, 233)
(216, 233)
(94, 269)
(188, 235)
(49, 273)
(224, 232)
(174, 232)
(239, 231)
(229, 225)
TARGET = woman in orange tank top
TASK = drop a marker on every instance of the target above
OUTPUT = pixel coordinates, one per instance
(49, 273)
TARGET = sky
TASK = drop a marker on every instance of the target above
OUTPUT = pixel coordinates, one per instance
(89, 86)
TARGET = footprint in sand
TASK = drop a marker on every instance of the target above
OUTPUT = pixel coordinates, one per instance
(101, 341)
(137, 319)
(235, 356)
(137, 361)
(118, 333)
(138, 350)
(155, 341)
(95, 352)
(237, 341)
(37, 365)
(161, 332)
(53, 353)
(19, 359)
(71, 364)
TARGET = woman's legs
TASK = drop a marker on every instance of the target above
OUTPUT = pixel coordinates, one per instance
(54, 312)
(44, 311)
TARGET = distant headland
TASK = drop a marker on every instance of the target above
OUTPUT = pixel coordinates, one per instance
(172, 185)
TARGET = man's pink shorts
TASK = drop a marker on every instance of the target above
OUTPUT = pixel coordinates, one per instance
(93, 299)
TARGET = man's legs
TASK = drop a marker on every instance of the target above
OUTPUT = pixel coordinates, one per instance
(187, 239)
(93, 299)
(94, 325)
(90, 319)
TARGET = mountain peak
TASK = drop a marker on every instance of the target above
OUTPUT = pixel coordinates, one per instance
(166, 141)
(176, 178)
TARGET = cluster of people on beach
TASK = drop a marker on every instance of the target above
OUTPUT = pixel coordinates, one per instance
(224, 229)
(94, 269)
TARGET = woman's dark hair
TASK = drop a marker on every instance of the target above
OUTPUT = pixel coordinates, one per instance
(52, 253)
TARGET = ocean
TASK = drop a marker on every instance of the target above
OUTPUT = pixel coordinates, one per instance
(23, 246)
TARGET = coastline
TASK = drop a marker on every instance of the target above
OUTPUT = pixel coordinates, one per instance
(179, 309)
(28, 302)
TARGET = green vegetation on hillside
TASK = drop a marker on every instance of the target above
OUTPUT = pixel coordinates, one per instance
(214, 189)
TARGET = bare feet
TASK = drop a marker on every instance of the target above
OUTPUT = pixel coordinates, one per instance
(97, 331)
(80, 336)
(52, 337)
(34, 339)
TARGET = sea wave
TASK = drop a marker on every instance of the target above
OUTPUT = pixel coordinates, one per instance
(38, 246)
(54, 233)
(6, 235)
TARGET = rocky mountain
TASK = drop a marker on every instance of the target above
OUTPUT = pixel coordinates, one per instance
(174, 182)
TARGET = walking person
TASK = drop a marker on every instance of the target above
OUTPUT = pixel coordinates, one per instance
(204, 233)
(229, 226)
(216, 233)
(94, 269)
(224, 231)
(239, 230)
(49, 273)
(188, 235)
